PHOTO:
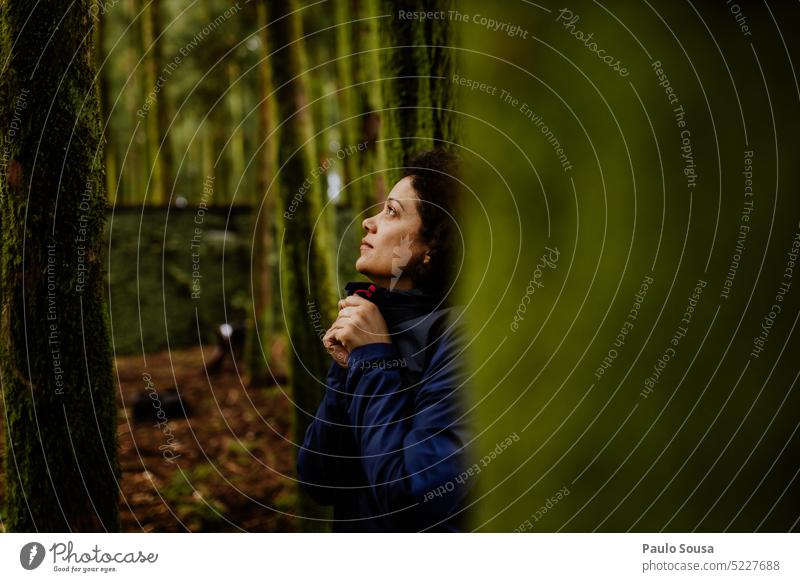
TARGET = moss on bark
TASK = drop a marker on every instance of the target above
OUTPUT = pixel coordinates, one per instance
(417, 92)
(56, 362)
(306, 263)
(262, 323)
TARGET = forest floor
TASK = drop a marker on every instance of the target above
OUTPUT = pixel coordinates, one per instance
(229, 466)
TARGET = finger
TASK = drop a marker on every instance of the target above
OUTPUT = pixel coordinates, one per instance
(356, 300)
(326, 338)
(341, 356)
(329, 340)
(348, 312)
(341, 335)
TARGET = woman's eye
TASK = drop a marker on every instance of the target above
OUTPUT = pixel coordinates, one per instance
(390, 210)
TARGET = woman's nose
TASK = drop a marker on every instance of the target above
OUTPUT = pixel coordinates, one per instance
(369, 224)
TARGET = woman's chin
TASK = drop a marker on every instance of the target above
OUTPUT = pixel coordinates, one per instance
(361, 266)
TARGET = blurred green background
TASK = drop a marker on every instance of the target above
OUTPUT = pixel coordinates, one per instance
(711, 446)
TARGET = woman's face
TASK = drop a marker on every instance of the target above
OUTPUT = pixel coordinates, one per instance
(391, 249)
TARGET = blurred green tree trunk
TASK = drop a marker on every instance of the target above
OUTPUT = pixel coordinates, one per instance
(235, 102)
(163, 111)
(346, 101)
(134, 162)
(417, 92)
(306, 267)
(369, 103)
(155, 103)
(262, 328)
(358, 74)
(56, 362)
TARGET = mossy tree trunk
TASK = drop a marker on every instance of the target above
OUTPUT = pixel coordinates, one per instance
(369, 103)
(262, 324)
(237, 187)
(100, 30)
(155, 112)
(346, 98)
(306, 266)
(56, 362)
(133, 160)
(163, 110)
(417, 93)
(358, 74)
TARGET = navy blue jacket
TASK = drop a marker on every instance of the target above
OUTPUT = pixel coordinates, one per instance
(389, 445)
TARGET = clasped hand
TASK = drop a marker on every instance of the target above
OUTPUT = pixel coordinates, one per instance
(360, 322)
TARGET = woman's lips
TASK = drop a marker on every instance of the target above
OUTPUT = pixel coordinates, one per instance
(366, 247)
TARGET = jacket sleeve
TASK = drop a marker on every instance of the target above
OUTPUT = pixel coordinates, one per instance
(327, 462)
(412, 439)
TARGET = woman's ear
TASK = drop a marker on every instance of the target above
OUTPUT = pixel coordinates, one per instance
(427, 253)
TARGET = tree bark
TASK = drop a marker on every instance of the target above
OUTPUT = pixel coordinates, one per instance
(306, 266)
(235, 108)
(418, 94)
(100, 27)
(262, 330)
(369, 105)
(55, 357)
(156, 112)
(163, 111)
(346, 98)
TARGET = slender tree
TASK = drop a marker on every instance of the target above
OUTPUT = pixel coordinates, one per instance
(134, 163)
(369, 103)
(55, 357)
(346, 98)
(306, 267)
(417, 93)
(100, 29)
(163, 110)
(156, 120)
(235, 108)
(358, 74)
(259, 354)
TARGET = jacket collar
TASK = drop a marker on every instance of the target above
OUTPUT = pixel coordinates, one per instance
(397, 305)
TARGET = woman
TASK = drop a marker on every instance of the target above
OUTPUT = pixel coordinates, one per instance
(388, 444)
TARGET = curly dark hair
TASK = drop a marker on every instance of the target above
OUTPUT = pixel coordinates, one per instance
(435, 177)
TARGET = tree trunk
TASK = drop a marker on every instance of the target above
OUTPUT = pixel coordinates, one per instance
(153, 102)
(235, 102)
(417, 92)
(56, 361)
(163, 112)
(259, 363)
(346, 98)
(105, 104)
(306, 267)
(369, 103)
(134, 159)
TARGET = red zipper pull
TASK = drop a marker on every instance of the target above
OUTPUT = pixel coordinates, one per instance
(368, 292)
